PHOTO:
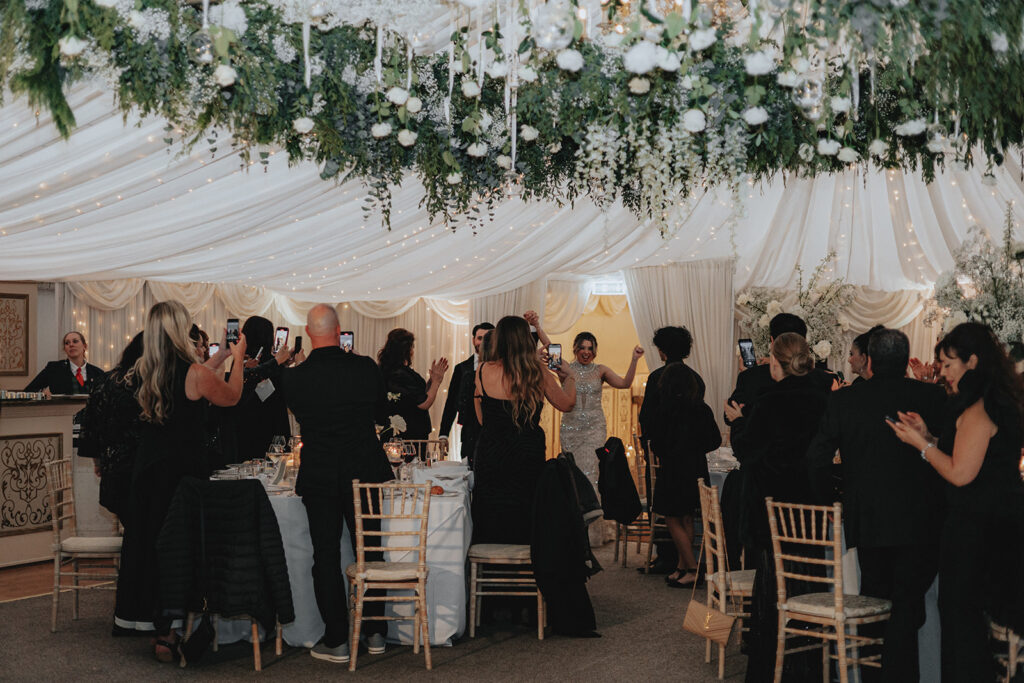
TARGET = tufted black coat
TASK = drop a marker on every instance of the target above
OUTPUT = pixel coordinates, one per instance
(246, 569)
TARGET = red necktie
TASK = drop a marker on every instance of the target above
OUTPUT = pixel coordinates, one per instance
(78, 376)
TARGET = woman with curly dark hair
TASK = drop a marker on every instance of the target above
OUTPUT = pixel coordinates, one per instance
(408, 394)
(977, 454)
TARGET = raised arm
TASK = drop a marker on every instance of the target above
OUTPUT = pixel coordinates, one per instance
(534, 319)
(437, 370)
(205, 384)
(614, 380)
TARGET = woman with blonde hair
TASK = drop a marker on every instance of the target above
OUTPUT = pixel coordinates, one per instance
(172, 387)
(509, 394)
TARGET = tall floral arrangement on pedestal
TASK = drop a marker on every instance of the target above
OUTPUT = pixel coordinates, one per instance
(986, 285)
(820, 301)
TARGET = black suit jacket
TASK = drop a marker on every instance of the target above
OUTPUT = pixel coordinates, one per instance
(753, 382)
(650, 409)
(890, 496)
(58, 378)
(337, 397)
(452, 404)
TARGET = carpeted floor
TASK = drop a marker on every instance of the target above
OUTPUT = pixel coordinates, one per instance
(639, 617)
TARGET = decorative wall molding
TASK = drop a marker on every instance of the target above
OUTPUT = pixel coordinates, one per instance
(24, 505)
(14, 334)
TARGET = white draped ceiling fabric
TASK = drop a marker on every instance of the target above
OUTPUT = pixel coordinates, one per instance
(124, 221)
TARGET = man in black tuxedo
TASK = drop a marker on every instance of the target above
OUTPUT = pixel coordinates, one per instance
(455, 404)
(73, 375)
(337, 398)
(892, 501)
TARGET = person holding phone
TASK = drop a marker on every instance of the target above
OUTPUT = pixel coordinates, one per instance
(409, 395)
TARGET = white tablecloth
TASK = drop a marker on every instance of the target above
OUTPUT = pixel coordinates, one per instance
(449, 532)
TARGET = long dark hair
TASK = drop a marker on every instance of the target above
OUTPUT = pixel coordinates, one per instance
(259, 334)
(397, 350)
(513, 346)
(995, 379)
(677, 388)
(130, 355)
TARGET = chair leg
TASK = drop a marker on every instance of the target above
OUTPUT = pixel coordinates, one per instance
(425, 623)
(189, 621)
(216, 632)
(844, 674)
(56, 592)
(357, 623)
(540, 615)
(618, 536)
(472, 598)
(1011, 664)
(826, 664)
(780, 646)
(417, 617)
(256, 646)
(855, 650)
(74, 591)
(277, 644)
(650, 548)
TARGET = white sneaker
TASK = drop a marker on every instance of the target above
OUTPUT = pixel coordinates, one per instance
(338, 655)
(375, 644)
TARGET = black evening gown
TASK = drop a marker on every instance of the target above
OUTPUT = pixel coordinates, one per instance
(681, 443)
(508, 464)
(406, 390)
(166, 453)
(980, 565)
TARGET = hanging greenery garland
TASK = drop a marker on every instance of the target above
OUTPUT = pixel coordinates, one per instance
(649, 107)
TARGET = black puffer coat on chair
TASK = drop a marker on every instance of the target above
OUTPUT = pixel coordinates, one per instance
(246, 569)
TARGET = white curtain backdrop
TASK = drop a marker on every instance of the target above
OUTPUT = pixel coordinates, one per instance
(698, 296)
(494, 307)
(565, 302)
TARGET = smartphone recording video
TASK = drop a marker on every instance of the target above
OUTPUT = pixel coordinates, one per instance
(233, 331)
(747, 353)
(280, 339)
(554, 356)
(348, 340)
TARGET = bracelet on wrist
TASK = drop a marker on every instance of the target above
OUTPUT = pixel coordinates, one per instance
(924, 451)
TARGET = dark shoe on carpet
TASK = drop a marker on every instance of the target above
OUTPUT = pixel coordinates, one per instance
(165, 651)
(657, 567)
(338, 655)
(375, 644)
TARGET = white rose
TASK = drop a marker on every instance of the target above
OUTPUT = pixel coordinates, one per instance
(800, 64)
(686, 83)
(788, 79)
(569, 60)
(755, 116)
(828, 148)
(848, 155)
(485, 120)
(758, 63)
(841, 105)
(773, 308)
(822, 349)
(477, 149)
(668, 61)
(844, 322)
(303, 125)
(702, 39)
(743, 299)
(528, 133)
(527, 74)
(224, 75)
(764, 320)
(498, 69)
(453, 178)
(381, 130)
(912, 127)
(397, 424)
(407, 138)
(470, 89)
(805, 151)
(639, 86)
(72, 46)
(640, 58)
(398, 96)
(555, 147)
(413, 105)
(878, 148)
(694, 120)
(456, 66)
(503, 161)
(999, 42)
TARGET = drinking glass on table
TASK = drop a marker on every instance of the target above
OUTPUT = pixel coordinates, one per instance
(294, 443)
(277, 444)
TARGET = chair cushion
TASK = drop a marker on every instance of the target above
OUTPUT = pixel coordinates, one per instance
(499, 551)
(387, 571)
(823, 605)
(738, 580)
(91, 544)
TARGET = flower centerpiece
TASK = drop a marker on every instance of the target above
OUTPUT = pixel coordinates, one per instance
(819, 301)
(986, 285)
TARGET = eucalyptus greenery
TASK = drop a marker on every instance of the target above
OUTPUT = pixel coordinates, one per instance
(721, 99)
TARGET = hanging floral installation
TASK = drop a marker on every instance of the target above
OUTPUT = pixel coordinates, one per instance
(819, 301)
(651, 102)
(986, 285)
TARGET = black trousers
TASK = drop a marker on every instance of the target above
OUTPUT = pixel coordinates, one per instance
(326, 514)
(901, 574)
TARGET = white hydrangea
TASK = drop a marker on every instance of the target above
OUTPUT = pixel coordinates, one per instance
(71, 46)
(303, 125)
(758, 63)
(284, 50)
(694, 120)
(639, 86)
(528, 133)
(755, 116)
(503, 161)
(764, 320)
(848, 155)
(413, 105)
(823, 349)
(230, 15)
(150, 24)
(453, 178)
(380, 130)
(407, 138)
(640, 58)
(841, 105)
(743, 299)
(911, 128)
(702, 39)
(999, 41)
(498, 69)
(774, 308)
(224, 75)
(470, 89)
(569, 60)
(477, 149)
(788, 79)
(527, 74)
(828, 148)
(398, 96)
(878, 148)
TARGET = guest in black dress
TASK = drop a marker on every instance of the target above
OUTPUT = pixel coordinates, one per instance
(980, 563)
(74, 375)
(172, 388)
(510, 452)
(110, 432)
(682, 434)
(408, 394)
(771, 444)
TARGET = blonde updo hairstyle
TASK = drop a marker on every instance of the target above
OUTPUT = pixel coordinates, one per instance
(793, 354)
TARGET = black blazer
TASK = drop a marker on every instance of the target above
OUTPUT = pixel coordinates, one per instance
(57, 376)
(453, 404)
(650, 409)
(890, 496)
(337, 397)
(753, 382)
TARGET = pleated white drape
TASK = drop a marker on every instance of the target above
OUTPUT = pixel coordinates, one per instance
(698, 296)
(494, 307)
(564, 304)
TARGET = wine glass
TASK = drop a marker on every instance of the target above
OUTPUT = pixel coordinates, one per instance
(277, 444)
(294, 444)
